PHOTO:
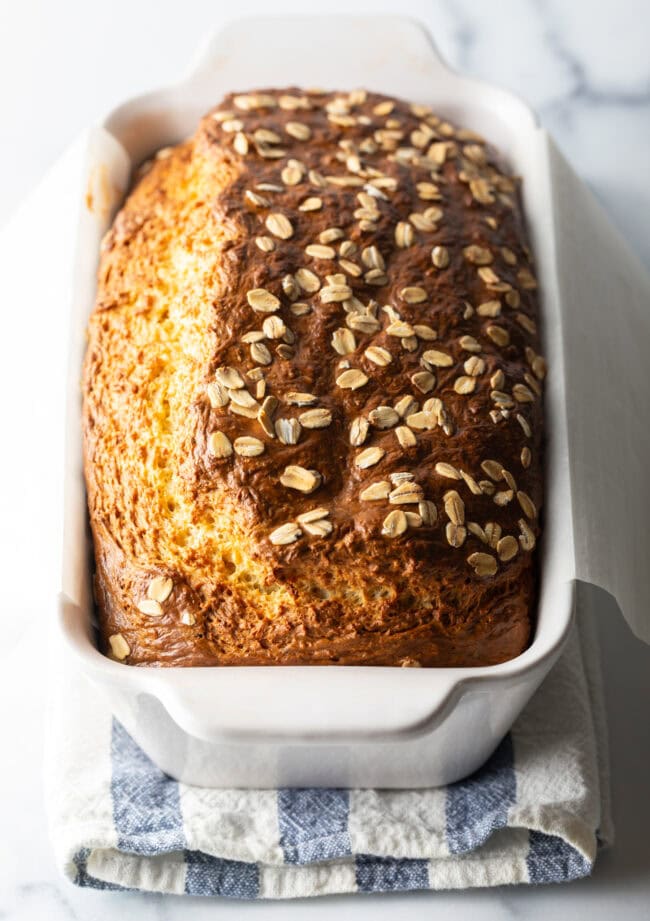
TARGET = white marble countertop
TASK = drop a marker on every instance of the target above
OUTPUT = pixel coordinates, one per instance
(585, 68)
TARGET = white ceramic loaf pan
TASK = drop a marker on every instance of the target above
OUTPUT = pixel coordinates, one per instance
(309, 726)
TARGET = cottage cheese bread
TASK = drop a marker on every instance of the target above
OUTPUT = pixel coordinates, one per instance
(312, 394)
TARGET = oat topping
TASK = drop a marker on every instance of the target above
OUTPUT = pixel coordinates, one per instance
(159, 589)
(300, 479)
(351, 379)
(247, 446)
(484, 564)
(219, 444)
(119, 646)
(285, 534)
(379, 490)
(394, 524)
(359, 243)
(369, 457)
(279, 225)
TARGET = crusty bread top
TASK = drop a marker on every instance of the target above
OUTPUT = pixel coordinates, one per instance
(321, 366)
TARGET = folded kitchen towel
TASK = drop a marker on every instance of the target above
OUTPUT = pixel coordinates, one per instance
(536, 812)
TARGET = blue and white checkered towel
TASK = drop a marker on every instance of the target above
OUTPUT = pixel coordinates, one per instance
(536, 811)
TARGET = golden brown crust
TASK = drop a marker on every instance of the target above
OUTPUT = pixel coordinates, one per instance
(270, 296)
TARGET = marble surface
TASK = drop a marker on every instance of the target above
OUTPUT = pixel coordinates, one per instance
(584, 66)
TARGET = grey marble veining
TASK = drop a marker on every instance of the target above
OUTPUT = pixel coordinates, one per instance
(586, 71)
(584, 66)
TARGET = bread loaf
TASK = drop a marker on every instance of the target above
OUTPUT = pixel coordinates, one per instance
(312, 394)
